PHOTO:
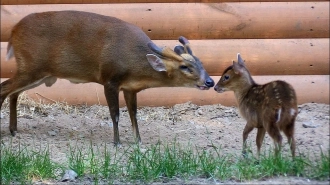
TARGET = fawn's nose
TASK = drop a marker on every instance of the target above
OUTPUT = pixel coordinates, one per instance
(209, 82)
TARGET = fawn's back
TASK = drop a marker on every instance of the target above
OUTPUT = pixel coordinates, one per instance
(272, 102)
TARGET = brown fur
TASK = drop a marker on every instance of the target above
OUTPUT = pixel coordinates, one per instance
(270, 108)
(86, 47)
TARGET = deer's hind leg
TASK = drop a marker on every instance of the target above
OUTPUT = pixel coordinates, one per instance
(14, 86)
(289, 133)
(13, 113)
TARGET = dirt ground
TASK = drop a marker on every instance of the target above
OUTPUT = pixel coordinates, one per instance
(60, 126)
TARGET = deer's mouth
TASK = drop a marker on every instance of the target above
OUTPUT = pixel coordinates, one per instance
(203, 87)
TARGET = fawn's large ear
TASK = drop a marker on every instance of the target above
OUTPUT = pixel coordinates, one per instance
(238, 68)
(240, 60)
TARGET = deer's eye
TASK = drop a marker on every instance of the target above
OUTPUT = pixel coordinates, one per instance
(185, 68)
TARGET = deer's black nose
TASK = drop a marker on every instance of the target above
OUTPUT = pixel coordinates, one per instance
(209, 82)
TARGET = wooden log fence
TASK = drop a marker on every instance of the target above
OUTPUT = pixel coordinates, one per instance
(263, 56)
(20, 2)
(251, 20)
(278, 39)
(314, 88)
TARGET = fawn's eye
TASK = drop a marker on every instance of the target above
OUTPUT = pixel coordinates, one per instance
(226, 77)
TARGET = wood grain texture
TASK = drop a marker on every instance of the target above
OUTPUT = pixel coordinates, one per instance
(165, 21)
(20, 2)
(309, 88)
(262, 56)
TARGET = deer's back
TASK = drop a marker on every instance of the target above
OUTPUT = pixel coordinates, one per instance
(79, 41)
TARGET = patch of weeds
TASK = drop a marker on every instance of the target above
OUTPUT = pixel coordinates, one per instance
(110, 167)
(160, 162)
(77, 160)
(14, 165)
(42, 166)
(321, 170)
(23, 165)
(143, 164)
(278, 165)
(208, 163)
(170, 160)
(245, 168)
(216, 165)
(94, 163)
(189, 161)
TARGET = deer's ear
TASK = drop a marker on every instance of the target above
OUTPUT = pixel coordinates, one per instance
(238, 68)
(240, 60)
(156, 62)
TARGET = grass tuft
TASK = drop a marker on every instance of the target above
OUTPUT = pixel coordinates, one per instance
(77, 160)
(159, 162)
(24, 165)
(321, 170)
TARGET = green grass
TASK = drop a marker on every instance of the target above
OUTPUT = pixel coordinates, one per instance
(23, 165)
(155, 163)
(321, 170)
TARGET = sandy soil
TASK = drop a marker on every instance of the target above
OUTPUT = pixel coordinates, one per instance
(60, 126)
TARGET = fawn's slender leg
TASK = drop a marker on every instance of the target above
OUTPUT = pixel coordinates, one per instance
(246, 132)
(260, 137)
(289, 133)
(275, 134)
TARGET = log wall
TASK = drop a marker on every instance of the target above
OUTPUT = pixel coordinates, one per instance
(21, 2)
(278, 39)
(263, 56)
(309, 89)
(252, 20)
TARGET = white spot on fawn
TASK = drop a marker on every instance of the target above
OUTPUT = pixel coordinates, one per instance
(278, 115)
(292, 112)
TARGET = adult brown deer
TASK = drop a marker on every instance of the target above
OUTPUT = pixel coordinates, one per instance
(271, 107)
(86, 47)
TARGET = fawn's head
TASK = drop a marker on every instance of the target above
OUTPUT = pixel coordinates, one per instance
(235, 77)
(180, 65)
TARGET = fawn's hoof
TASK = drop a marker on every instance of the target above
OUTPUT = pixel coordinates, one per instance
(139, 142)
(117, 144)
(244, 154)
(13, 132)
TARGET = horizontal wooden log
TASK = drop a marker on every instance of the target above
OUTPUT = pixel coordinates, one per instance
(309, 88)
(201, 20)
(262, 56)
(20, 2)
